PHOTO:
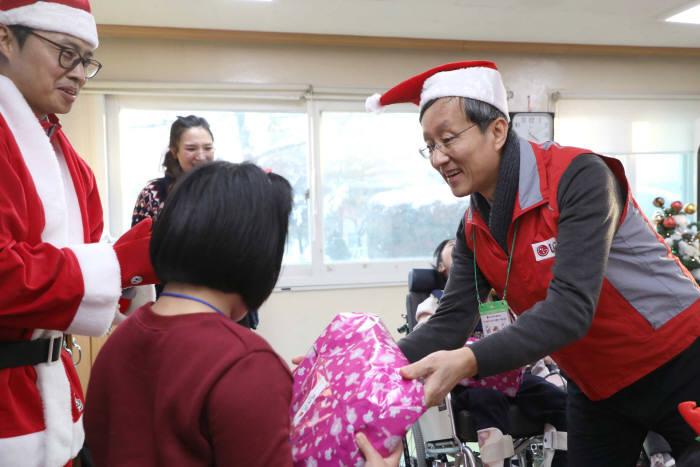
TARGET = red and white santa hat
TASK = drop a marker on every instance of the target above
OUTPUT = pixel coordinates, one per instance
(66, 16)
(476, 79)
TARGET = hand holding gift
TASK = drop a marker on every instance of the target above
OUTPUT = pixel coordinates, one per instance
(442, 370)
(349, 382)
(372, 457)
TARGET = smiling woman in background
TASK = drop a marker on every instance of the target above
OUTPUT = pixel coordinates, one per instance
(191, 143)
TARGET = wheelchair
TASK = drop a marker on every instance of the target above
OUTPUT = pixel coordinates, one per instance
(442, 438)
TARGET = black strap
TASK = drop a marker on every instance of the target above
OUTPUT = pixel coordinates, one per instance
(22, 353)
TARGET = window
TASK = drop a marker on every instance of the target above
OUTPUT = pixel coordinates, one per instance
(381, 200)
(367, 206)
(669, 175)
(276, 140)
(655, 139)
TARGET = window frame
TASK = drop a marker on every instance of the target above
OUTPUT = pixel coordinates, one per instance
(351, 273)
(312, 276)
(616, 120)
(272, 98)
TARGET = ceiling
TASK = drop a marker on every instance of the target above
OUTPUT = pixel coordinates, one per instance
(599, 22)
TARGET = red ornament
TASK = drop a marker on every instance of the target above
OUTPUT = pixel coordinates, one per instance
(659, 201)
(677, 206)
(669, 222)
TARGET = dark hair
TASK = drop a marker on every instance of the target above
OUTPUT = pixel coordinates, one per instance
(179, 126)
(20, 32)
(478, 112)
(224, 227)
(437, 254)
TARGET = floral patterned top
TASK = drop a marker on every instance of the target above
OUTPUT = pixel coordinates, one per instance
(151, 200)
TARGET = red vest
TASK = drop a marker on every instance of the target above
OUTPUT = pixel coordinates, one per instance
(633, 331)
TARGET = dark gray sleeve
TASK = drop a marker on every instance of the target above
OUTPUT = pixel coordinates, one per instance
(457, 313)
(590, 201)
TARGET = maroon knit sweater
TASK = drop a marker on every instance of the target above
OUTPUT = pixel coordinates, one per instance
(187, 390)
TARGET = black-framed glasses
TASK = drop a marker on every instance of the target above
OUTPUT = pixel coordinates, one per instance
(428, 151)
(69, 58)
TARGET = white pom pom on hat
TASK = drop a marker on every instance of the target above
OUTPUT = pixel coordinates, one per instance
(72, 17)
(372, 103)
(477, 79)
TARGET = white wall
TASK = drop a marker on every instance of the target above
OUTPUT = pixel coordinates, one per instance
(291, 320)
(526, 74)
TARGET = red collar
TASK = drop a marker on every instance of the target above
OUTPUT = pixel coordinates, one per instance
(50, 126)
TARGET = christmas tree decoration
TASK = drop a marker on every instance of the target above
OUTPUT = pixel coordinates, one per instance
(680, 234)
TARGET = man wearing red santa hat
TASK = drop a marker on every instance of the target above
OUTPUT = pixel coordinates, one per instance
(556, 232)
(54, 276)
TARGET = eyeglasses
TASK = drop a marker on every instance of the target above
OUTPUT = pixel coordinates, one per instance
(69, 58)
(428, 151)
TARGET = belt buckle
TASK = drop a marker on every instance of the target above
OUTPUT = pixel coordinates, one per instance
(52, 344)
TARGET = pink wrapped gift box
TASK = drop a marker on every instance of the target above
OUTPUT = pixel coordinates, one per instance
(507, 383)
(350, 382)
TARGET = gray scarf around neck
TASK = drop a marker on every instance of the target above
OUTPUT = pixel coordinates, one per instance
(499, 215)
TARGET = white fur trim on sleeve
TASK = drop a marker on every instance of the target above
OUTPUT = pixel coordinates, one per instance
(102, 281)
(372, 103)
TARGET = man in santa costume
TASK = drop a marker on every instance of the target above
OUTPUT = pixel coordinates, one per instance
(54, 276)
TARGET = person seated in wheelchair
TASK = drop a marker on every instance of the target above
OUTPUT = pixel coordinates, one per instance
(538, 398)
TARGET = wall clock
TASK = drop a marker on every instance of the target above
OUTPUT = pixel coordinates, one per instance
(534, 126)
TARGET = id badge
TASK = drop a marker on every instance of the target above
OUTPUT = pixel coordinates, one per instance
(494, 316)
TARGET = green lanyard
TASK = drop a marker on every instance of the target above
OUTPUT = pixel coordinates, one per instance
(510, 259)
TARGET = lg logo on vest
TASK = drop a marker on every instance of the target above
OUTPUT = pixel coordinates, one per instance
(545, 249)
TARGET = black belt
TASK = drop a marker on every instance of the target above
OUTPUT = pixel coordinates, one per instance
(22, 353)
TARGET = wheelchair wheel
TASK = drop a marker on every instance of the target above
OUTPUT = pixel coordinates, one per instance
(419, 445)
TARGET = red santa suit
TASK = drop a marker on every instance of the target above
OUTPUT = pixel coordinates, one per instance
(54, 278)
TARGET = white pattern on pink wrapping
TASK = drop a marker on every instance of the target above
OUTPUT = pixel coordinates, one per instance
(356, 364)
(507, 383)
